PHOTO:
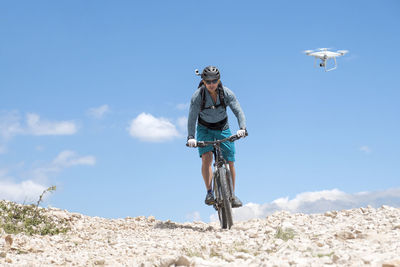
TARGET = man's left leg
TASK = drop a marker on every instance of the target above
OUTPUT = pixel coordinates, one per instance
(236, 203)
(233, 173)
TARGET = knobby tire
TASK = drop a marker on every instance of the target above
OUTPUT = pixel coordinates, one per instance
(218, 197)
(226, 197)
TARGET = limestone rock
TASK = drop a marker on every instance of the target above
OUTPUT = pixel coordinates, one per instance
(99, 262)
(9, 240)
(182, 261)
(345, 235)
(392, 263)
(331, 214)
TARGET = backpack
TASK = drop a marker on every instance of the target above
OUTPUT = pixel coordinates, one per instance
(203, 97)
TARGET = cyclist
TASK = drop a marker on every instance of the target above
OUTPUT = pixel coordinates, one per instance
(208, 108)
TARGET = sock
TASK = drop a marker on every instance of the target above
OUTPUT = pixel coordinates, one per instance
(209, 191)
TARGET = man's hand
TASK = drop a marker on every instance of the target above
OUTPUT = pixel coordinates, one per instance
(241, 133)
(192, 142)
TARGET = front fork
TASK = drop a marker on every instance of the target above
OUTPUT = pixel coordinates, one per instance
(217, 196)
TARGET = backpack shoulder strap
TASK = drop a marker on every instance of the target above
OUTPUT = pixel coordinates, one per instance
(203, 98)
(221, 95)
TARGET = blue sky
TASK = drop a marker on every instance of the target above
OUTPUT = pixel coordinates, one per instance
(94, 99)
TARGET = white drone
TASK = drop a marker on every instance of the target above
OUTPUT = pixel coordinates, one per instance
(325, 55)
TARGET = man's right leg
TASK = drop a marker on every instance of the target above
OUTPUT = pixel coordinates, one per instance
(206, 171)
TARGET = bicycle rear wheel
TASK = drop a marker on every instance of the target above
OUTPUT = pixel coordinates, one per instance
(226, 209)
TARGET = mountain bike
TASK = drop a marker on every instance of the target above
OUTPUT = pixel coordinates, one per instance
(222, 182)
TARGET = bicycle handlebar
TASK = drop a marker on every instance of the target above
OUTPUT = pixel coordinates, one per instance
(231, 138)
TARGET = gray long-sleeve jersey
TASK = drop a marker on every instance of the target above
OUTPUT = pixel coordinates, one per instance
(213, 115)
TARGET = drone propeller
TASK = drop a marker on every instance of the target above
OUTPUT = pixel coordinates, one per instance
(343, 51)
(324, 49)
(307, 51)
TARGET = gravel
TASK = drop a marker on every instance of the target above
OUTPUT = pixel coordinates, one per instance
(357, 237)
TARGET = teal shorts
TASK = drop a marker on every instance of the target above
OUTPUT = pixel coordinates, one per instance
(205, 134)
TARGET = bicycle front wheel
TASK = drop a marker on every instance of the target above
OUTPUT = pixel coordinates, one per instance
(226, 199)
(219, 203)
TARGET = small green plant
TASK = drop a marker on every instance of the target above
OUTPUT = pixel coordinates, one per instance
(214, 253)
(30, 219)
(320, 255)
(192, 253)
(50, 189)
(285, 234)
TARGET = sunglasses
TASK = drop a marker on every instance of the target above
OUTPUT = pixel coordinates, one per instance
(211, 82)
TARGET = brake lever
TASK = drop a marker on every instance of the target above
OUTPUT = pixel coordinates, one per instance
(200, 144)
(236, 137)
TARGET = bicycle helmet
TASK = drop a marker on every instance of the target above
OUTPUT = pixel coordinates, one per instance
(210, 73)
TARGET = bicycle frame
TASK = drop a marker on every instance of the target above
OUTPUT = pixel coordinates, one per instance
(219, 160)
(222, 182)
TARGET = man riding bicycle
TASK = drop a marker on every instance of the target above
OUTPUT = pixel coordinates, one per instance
(208, 107)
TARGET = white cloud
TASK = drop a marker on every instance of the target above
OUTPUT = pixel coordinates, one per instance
(9, 124)
(36, 126)
(63, 160)
(193, 216)
(98, 112)
(366, 149)
(310, 197)
(23, 191)
(19, 192)
(148, 128)
(29, 190)
(319, 202)
(183, 106)
(69, 158)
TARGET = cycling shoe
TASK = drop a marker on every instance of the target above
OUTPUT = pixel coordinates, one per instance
(210, 200)
(236, 203)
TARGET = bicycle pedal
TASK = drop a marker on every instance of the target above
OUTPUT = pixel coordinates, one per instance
(210, 203)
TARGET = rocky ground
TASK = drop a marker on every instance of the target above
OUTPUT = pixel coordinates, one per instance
(358, 237)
